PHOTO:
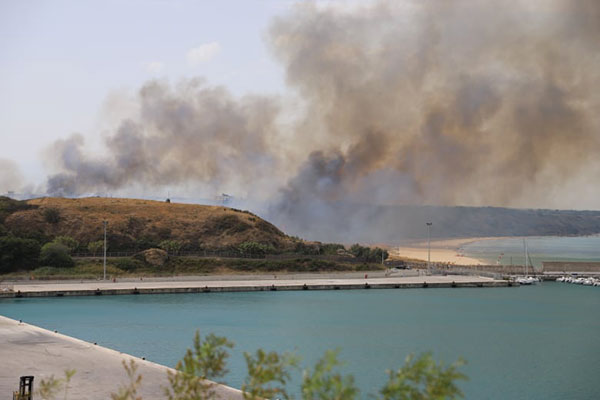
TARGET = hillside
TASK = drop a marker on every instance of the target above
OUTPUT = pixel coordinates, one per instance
(349, 222)
(138, 224)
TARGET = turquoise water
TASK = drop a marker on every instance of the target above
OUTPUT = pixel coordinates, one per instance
(539, 342)
(548, 248)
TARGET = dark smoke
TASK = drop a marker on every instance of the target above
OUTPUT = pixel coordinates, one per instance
(436, 102)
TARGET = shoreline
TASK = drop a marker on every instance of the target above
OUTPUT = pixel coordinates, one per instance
(447, 251)
(27, 349)
(450, 251)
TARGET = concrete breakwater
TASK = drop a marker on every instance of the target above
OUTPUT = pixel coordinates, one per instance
(30, 350)
(571, 266)
(97, 288)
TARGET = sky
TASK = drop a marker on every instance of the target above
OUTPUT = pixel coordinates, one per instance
(60, 61)
(294, 105)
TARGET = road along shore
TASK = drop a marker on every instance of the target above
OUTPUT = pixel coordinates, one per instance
(273, 283)
(30, 350)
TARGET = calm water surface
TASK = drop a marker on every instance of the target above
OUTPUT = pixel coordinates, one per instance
(543, 248)
(540, 342)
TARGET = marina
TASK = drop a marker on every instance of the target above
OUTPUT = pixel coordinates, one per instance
(500, 332)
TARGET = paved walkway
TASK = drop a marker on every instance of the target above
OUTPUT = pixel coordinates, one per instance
(29, 350)
(109, 287)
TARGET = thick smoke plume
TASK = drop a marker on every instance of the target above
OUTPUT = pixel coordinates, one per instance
(436, 102)
(188, 133)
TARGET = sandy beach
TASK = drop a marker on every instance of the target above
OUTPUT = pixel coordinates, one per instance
(443, 251)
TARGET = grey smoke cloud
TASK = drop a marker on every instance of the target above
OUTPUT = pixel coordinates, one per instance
(188, 133)
(11, 178)
(437, 102)
(475, 103)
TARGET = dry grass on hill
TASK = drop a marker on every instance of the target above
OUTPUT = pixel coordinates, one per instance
(132, 223)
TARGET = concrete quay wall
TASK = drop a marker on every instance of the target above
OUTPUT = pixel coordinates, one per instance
(133, 288)
(571, 266)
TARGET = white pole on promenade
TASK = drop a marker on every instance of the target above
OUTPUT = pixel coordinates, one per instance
(105, 223)
(429, 246)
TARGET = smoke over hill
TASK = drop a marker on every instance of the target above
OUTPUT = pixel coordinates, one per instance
(438, 102)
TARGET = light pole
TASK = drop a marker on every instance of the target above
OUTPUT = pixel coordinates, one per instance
(429, 246)
(104, 223)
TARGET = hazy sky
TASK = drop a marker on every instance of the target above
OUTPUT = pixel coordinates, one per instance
(462, 102)
(61, 60)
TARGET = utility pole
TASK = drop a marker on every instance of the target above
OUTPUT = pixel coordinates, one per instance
(105, 223)
(429, 246)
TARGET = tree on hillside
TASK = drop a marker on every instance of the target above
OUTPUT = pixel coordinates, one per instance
(18, 253)
(52, 215)
(171, 246)
(331, 249)
(255, 249)
(95, 247)
(67, 241)
(368, 254)
(56, 255)
(378, 255)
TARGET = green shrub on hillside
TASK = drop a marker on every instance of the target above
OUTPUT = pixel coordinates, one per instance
(128, 264)
(172, 247)
(18, 254)
(306, 248)
(368, 254)
(56, 255)
(67, 241)
(255, 249)
(51, 215)
(95, 247)
(331, 249)
(9, 206)
(146, 242)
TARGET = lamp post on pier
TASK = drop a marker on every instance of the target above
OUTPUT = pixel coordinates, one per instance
(429, 246)
(104, 223)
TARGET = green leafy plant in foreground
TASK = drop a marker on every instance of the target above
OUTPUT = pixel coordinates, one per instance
(323, 383)
(49, 388)
(129, 392)
(421, 378)
(269, 374)
(205, 362)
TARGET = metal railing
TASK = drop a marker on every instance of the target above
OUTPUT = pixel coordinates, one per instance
(230, 254)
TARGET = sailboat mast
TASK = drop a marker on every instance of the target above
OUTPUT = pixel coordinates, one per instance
(526, 258)
(525, 249)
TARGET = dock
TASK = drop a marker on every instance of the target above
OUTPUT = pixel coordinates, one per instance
(199, 285)
(30, 350)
